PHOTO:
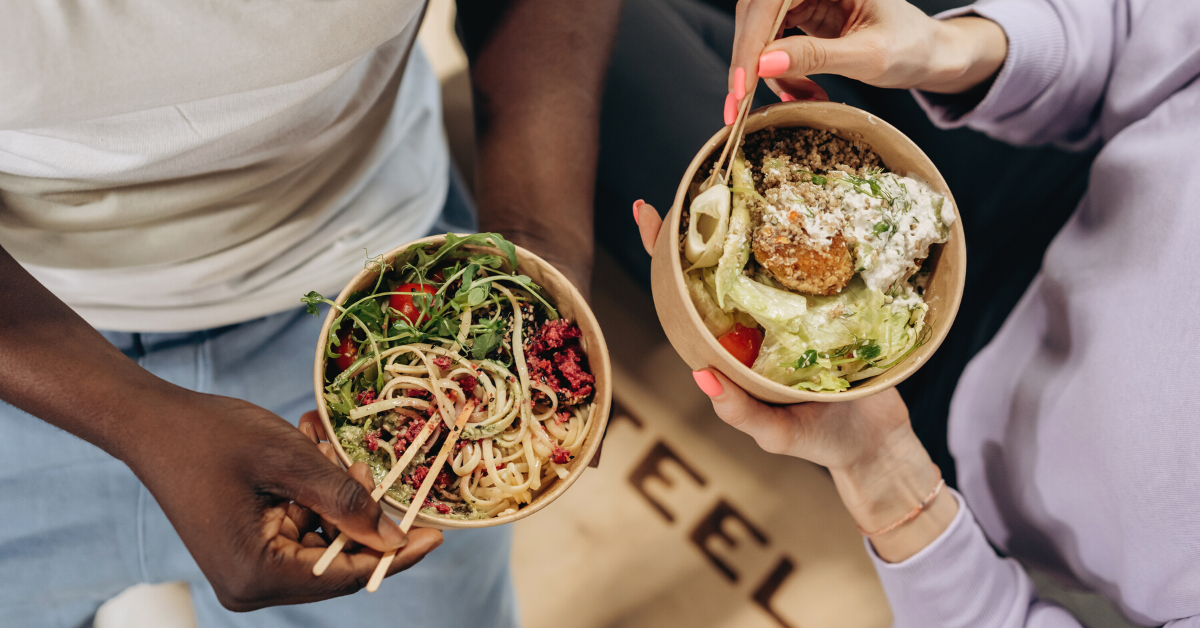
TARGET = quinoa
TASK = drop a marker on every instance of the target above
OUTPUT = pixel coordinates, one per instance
(811, 149)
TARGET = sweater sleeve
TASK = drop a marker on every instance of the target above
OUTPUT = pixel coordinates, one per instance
(958, 580)
(1060, 56)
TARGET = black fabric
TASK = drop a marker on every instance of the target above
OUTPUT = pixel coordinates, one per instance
(665, 96)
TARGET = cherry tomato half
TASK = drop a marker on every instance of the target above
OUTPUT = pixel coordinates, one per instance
(743, 343)
(347, 350)
(403, 303)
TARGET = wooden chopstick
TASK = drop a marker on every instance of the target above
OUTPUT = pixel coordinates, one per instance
(415, 505)
(388, 480)
(739, 127)
(393, 475)
(739, 123)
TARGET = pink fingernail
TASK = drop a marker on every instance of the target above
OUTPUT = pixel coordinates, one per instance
(730, 109)
(707, 382)
(773, 64)
(636, 206)
(786, 97)
(739, 83)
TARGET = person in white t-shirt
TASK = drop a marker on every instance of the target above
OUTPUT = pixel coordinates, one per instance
(177, 175)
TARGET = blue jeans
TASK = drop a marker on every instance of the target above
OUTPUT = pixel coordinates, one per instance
(76, 526)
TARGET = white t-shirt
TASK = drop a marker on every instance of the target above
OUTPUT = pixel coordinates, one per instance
(180, 166)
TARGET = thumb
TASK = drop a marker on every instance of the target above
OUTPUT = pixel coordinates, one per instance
(344, 502)
(771, 428)
(854, 56)
(649, 223)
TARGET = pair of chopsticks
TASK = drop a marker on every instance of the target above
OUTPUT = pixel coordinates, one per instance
(415, 505)
(739, 124)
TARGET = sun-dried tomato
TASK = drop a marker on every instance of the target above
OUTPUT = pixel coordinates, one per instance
(560, 455)
(468, 383)
(418, 475)
(443, 480)
(554, 357)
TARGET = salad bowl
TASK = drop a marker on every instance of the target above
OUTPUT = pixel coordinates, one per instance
(684, 326)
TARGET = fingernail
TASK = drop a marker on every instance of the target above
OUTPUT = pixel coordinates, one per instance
(739, 83)
(773, 64)
(391, 534)
(730, 109)
(636, 206)
(707, 382)
(786, 97)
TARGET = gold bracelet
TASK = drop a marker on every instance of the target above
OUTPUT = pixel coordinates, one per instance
(912, 514)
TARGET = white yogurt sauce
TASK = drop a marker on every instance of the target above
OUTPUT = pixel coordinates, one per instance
(892, 225)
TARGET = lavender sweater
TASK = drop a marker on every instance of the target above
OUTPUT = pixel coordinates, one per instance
(1077, 430)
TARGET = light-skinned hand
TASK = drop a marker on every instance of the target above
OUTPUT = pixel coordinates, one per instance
(885, 43)
(879, 466)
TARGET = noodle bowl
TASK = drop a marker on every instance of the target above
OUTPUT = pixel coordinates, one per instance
(525, 347)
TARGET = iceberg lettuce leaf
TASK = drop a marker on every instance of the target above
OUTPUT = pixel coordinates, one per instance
(737, 239)
(771, 307)
(849, 331)
(715, 319)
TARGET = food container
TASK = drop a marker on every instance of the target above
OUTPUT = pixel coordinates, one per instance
(948, 262)
(570, 304)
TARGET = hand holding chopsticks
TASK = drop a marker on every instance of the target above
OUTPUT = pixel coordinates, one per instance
(419, 498)
(739, 124)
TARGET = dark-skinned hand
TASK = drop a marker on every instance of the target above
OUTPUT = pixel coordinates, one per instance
(247, 493)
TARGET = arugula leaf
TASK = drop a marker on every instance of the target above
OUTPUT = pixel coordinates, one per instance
(338, 404)
(487, 259)
(313, 299)
(508, 248)
(456, 242)
(468, 277)
(370, 312)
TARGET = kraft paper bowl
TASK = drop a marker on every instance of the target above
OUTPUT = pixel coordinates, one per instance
(948, 262)
(570, 304)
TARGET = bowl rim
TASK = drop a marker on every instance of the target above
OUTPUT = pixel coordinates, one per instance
(598, 360)
(870, 386)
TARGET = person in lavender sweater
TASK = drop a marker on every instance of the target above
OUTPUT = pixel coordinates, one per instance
(1075, 430)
